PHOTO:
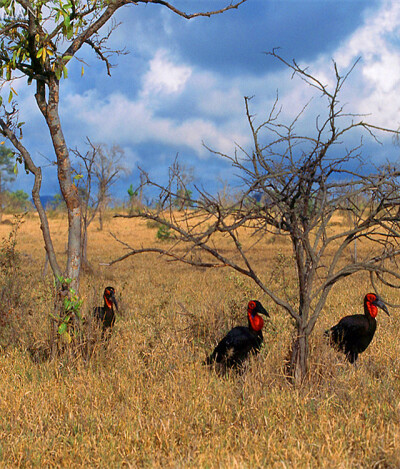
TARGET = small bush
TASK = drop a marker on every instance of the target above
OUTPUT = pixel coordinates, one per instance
(163, 233)
(11, 282)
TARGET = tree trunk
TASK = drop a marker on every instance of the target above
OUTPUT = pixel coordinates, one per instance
(85, 264)
(101, 217)
(297, 367)
(69, 191)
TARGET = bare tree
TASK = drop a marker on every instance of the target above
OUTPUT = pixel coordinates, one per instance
(107, 170)
(182, 178)
(292, 187)
(38, 40)
(136, 195)
(98, 170)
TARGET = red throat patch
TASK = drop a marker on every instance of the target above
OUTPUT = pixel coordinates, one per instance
(372, 309)
(256, 322)
(108, 302)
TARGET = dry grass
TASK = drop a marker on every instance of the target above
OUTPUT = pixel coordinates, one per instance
(146, 400)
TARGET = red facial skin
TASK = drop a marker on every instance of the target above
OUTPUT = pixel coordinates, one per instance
(109, 303)
(256, 321)
(372, 309)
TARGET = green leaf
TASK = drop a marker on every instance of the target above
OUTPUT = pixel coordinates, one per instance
(16, 169)
(67, 22)
(62, 328)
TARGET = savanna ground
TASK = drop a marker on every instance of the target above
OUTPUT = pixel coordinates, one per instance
(147, 401)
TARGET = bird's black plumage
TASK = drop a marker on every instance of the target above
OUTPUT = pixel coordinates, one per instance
(353, 334)
(105, 315)
(241, 341)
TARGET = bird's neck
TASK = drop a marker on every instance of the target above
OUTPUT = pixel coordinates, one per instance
(370, 310)
(256, 322)
(107, 303)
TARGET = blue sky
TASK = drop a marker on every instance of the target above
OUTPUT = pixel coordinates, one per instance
(183, 82)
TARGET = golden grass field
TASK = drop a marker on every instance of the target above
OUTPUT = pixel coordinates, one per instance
(147, 401)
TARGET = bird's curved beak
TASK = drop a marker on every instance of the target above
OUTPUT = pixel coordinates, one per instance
(113, 299)
(262, 310)
(380, 304)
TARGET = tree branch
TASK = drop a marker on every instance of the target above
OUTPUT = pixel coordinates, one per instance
(189, 16)
(36, 171)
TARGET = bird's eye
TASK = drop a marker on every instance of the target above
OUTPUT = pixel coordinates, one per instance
(252, 305)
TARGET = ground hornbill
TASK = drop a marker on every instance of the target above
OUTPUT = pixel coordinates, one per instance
(353, 334)
(235, 347)
(106, 314)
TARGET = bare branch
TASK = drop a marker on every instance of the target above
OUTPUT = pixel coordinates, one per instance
(189, 16)
(295, 185)
(8, 132)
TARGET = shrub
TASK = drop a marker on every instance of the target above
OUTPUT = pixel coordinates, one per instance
(163, 233)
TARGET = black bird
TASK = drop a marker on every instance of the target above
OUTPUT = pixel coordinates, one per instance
(105, 315)
(235, 347)
(353, 334)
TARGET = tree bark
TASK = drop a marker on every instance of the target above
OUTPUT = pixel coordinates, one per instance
(298, 360)
(85, 264)
(69, 191)
(101, 217)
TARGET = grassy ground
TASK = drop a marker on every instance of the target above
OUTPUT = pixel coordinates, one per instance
(146, 400)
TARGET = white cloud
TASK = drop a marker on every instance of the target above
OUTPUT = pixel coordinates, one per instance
(372, 88)
(217, 97)
(215, 110)
(164, 76)
(376, 83)
(147, 118)
(131, 122)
